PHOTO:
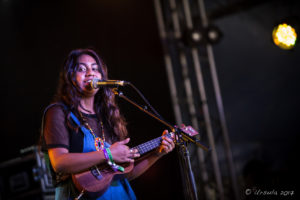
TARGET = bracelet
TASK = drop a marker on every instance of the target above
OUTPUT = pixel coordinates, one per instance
(110, 161)
(109, 155)
(106, 155)
(117, 167)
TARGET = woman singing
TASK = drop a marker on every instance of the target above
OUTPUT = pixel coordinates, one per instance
(84, 128)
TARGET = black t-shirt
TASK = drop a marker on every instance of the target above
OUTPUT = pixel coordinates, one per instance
(56, 131)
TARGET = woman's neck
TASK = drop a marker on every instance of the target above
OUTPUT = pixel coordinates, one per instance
(87, 105)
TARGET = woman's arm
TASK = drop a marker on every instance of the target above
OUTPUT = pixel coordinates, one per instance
(65, 162)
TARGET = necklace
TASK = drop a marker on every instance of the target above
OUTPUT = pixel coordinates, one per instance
(99, 143)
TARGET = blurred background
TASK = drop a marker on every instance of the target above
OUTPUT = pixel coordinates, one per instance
(259, 84)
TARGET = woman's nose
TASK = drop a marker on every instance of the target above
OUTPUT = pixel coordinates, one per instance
(90, 72)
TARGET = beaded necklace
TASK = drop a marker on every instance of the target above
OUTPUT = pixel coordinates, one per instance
(99, 143)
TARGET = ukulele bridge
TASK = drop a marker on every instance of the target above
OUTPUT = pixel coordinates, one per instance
(96, 172)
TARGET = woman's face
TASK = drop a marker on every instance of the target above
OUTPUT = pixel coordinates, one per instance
(87, 70)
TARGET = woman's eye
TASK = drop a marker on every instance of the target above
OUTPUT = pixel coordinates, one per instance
(95, 68)
(81, 68)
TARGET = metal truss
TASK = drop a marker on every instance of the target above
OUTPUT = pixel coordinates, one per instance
(193, 80)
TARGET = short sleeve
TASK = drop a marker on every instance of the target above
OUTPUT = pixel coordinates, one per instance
(55, 129)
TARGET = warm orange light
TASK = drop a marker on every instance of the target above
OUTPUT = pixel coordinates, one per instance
(284, 36)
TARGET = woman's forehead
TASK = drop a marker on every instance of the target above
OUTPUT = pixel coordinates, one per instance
(84, 58)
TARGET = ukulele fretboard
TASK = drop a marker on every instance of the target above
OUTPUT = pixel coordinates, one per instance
(150, 145)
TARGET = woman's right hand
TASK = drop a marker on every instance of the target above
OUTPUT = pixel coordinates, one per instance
(121, 152)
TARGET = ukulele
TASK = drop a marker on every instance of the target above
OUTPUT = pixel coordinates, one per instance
(95, 181)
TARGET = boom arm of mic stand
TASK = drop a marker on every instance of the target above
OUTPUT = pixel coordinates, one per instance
(181, 134)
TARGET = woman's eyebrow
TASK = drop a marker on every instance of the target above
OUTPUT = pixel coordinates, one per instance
(80, 63)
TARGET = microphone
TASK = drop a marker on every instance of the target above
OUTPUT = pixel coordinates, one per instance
(96, 83)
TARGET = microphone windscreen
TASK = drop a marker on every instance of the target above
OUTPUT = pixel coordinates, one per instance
(94, 84)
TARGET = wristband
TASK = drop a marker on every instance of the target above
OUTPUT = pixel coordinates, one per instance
(110, 160)
(109, 155)
(106, 155)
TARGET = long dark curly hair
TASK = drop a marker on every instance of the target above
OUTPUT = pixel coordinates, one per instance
(105, 105)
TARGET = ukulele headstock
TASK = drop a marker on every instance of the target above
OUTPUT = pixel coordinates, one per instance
(183, 133)
(188, 130)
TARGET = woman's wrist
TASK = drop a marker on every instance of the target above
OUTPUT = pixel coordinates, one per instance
(106, 156)
(110, 161)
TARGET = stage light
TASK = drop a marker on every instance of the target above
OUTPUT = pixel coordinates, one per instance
(193, 37)
(284, 36)
(213, 34)
(201, 36)
(196, 36)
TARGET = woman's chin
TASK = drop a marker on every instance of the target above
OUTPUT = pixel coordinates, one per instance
(90, 92)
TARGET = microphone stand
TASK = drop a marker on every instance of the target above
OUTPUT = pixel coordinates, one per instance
(182, 139)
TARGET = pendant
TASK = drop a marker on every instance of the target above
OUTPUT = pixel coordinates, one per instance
(99, 144)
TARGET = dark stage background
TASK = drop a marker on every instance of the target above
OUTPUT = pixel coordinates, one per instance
(259, 82)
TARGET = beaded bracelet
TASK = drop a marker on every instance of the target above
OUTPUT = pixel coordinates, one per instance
(113, 164)
(110, 161)
(106, 155)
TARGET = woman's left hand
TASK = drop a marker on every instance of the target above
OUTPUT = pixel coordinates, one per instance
(167, 144)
